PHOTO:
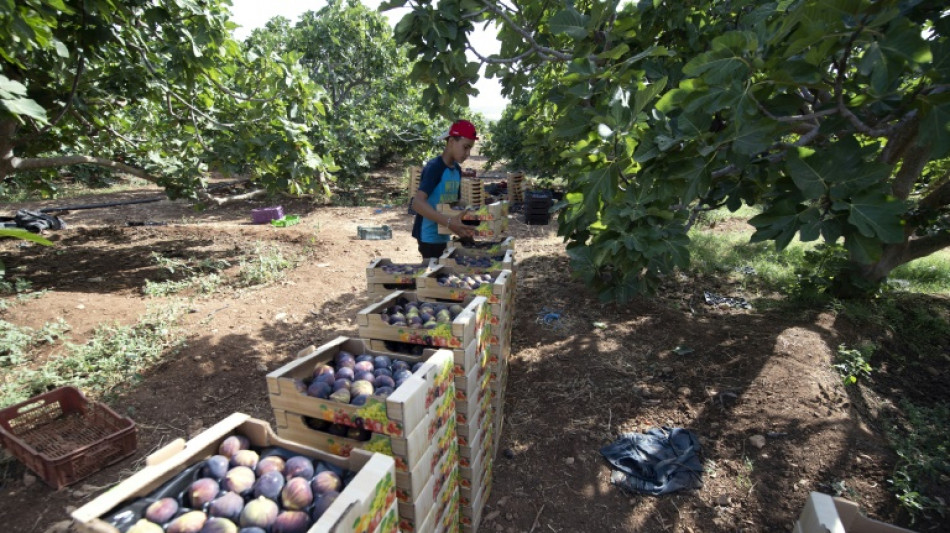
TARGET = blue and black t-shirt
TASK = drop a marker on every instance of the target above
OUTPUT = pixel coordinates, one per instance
(441, 183)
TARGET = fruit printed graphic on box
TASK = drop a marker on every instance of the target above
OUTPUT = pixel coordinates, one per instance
(383, 499)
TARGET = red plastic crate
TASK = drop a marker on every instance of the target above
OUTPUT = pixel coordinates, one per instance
(63, 437)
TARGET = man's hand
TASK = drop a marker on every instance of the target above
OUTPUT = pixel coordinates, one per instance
(459, 228)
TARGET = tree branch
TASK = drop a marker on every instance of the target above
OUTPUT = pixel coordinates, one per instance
(912, 165)
(34, 163)
(925, 246)
(938, 197)
(66, 107)
(499, 60)
(543, 51)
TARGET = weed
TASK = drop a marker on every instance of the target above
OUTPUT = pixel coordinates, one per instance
(202, 275)
(920, 441)
(110, 361)
(266, 265)
(16, 342)
(744, 477)
(852, 363)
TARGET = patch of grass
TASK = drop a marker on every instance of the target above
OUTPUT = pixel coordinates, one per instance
(16, 342)
(266, 265)
(749, 264)
(928, 275)
(921, 443)
(723, 214)
(111, 361)
(203, 275)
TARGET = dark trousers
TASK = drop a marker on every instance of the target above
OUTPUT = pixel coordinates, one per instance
(431, 250)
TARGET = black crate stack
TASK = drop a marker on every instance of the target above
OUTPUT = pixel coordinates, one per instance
(537, 205)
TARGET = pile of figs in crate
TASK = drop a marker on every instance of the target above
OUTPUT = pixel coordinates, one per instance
(477, 262)
(352, 379)
(240, 489)
(402, 269)
(467, 282)
(419, 315)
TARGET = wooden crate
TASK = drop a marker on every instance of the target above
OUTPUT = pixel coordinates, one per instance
(489, 229)
(360, 507)
(516, 187)
(472, 406)
(465, 327)
(475, 355)
(481, 416)
(436, 493)
(433, 521)
(396, 415)
(453, 255)
(492, 211)
(390, 522)
(415, 178)
(471, 192)
(470, 516)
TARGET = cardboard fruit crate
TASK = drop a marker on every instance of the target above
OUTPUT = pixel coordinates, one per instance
(390, 521)
(483, 454)
(472, 384)
(376, 273)
(473, 406)
(470, 516)
(431, 523)
(493, 211)
(499, 292)
(415, 178)
(460, 260)
(484, 248)
(463, 329)
(483, 439)
(436, 493)
(490, 229)
(449, 520)
(416, 457)
(468, 495)
(360, 508)
(396, 415)
(63, 438)
(475, 355)
(470, 425)
(823, 513)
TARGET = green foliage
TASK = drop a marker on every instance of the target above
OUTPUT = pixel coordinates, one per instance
(920, 441)
(830, 116)
(111, 360)
(154, 89)
(266, 265)
(853, 363)
(16, 342)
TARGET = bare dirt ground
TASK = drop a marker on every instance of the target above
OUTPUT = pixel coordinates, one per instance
(726, 374)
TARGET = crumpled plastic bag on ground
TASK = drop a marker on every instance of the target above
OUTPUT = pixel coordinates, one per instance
(660, 461)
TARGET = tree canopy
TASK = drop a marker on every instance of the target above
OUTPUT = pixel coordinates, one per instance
(155, 89)
(832, 116)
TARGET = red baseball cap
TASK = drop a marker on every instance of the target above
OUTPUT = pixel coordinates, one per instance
(461, 128)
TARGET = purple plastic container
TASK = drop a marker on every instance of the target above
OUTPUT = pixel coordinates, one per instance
(263, 215)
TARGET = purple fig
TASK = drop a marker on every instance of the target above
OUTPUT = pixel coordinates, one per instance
(202, 491)
(383, 392)
(299, 466)
(359, 400)
(269, 485)
(260, 512)
(215, 467)
(144, 526)
(384, 381)
(323, 368)
(364, 366)
(246, 458)
(219, 525)
(363, 375)
(190, 522)
(297, 494)
(324, 378)
(271, 463)
(232, 445)
(321, 504)
(239, 479)
(161, 511)
(342, 396)
(319, 389)
(346, 373)
(326, 482)
(229, 505)
(344, 359)
(382, 361)
(382, 372)
(291, 522)
(364, 357)
(361, 387)
(342, 384)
